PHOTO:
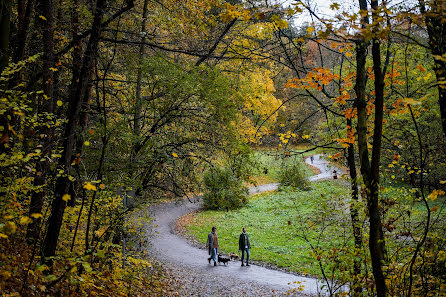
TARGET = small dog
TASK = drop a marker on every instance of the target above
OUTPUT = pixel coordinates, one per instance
(222, 259)
(234, 257)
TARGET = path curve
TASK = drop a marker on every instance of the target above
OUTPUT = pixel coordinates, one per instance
(177, 252)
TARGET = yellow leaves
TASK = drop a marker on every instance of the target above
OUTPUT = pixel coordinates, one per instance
(25, 220)
(175, 155)
(87, 143)
(42, 17)
(279, 22)
(102, 186)
(9, 227)
(306, 136)
(435, 193)
(90, 187)
(440, 58)
(348, 54)
(5, 274)
(67, 197)
(139, 262)
(393, 176)
(285, 137)
(410, 101)
(310, 29)
(334, 6)
(59, 103)
(442, 182)
(36, 215)
(3, 235)
(234, 11)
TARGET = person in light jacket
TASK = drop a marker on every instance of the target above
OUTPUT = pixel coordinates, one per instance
(244, 246)
(212, 245)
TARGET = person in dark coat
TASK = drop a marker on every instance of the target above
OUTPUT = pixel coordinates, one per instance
(212, 245)
(244, 246)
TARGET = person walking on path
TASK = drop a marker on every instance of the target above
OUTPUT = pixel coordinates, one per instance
(212, 245)
(312, 159)
(244, 246)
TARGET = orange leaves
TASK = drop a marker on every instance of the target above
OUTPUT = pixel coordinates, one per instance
(335, 156)
(314, 79)
(421, 68)
(341, 99)
(350, 113)
(349, 139)
(435, 193)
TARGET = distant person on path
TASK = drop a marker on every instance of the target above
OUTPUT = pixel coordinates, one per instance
(312, 159)
(212, 245)
(244, 246)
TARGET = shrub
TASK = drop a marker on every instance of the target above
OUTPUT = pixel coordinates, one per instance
(292, 174)
(223, 190)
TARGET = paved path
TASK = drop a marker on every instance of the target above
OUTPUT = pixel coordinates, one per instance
(208, 280)
(324, 166)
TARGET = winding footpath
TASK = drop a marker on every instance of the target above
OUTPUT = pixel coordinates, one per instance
(198, 278)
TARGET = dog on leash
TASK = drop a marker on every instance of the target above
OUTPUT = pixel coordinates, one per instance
(234, 257)
(222, 259)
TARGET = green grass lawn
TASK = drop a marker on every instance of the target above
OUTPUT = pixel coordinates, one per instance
(275, 222)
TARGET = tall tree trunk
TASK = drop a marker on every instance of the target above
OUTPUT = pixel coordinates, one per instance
(376, 240)
(138, 105)
(370, 170)
(354, 213)
(436, 29)
(5, 15)
(63, 183)
(46, 9)
(77, 65)
(25, 9)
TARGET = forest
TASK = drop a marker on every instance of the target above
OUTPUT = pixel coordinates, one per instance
(111, 108)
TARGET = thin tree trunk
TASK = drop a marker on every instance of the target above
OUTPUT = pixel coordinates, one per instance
(63, 183)
(5, 14)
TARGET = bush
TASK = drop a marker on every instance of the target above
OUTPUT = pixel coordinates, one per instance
(223, 190)
(293, 175)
